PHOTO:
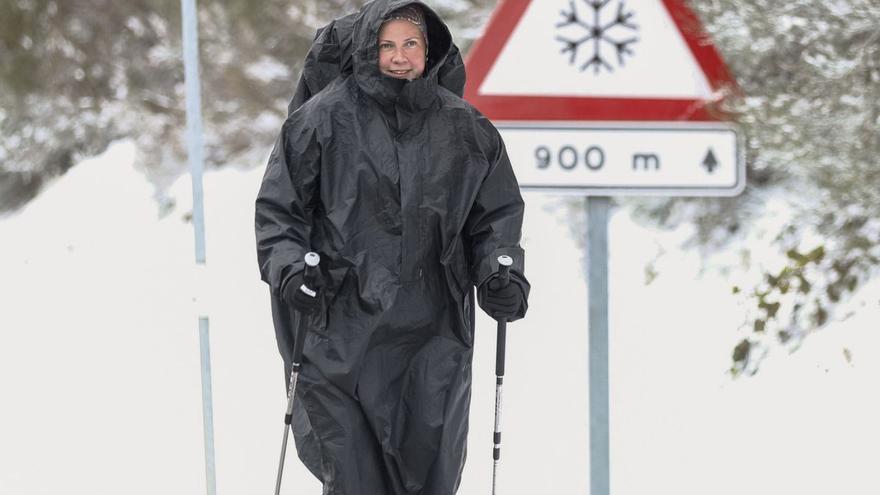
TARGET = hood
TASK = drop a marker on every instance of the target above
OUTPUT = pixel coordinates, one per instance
(347, 46)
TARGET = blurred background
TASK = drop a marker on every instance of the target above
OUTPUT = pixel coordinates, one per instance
(744, 347)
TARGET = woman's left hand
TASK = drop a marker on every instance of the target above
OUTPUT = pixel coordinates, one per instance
(499, 302)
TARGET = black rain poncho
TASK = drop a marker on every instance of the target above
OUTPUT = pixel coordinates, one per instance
(407, 193)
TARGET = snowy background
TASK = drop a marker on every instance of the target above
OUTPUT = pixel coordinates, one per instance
(99, 360)
(99, 347)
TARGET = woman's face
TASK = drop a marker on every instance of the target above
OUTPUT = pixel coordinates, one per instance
(401, 50)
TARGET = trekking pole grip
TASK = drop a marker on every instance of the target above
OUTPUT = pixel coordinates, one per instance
(311, 259)
(504, 263)
(311, 272)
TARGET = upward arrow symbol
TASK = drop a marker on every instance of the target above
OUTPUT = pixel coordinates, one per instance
(710, 162)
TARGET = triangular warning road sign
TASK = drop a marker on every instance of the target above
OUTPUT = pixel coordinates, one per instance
(595, 60)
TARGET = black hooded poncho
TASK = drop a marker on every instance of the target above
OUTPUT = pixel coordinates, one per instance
(406, 192)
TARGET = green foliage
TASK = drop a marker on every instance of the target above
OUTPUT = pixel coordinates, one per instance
(810, 285)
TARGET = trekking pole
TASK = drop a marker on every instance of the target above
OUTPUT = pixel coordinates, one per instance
(312, 259)
(504, 263)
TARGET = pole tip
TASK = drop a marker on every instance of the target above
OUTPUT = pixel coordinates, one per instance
(505, 260)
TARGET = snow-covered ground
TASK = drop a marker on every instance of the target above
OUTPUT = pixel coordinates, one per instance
(100, 384)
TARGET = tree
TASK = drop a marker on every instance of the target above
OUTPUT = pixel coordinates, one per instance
(810, 105)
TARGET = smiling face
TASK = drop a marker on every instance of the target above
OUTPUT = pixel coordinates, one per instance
(401, 50)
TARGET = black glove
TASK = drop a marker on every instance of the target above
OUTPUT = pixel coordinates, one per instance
(298, 298)
(502, 302)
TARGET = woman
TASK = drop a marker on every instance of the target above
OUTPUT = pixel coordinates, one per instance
(407, 193)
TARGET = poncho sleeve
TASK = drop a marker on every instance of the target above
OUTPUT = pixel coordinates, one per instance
(286, 202)
(494, 224)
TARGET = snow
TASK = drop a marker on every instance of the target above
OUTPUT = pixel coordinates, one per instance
(99, 360)
(267, 69)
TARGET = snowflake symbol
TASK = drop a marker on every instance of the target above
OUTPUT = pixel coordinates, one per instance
(596, 32)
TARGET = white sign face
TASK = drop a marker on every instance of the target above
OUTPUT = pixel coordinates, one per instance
(629, 49)
(688, 159)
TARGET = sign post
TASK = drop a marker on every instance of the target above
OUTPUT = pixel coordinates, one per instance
(603, 98)
(597, 290)
(189, 19)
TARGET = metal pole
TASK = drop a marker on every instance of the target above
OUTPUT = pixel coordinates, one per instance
(207, 405)
(308, 287)
(504, 263)
(194, 148)
(194, 121)
(597, 276)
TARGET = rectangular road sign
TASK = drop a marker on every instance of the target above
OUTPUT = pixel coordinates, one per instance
(610, 159)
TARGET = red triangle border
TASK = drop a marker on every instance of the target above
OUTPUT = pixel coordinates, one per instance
(504, 20)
